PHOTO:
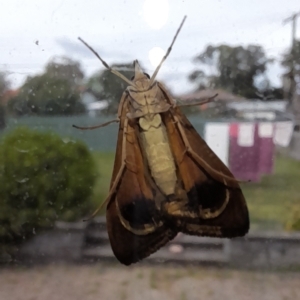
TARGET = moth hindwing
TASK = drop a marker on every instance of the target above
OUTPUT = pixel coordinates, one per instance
(165, 178)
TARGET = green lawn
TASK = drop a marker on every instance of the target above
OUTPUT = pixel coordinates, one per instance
(270, 202)
(104, 163)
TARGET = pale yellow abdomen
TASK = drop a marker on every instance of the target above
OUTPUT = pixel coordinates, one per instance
(160, 159)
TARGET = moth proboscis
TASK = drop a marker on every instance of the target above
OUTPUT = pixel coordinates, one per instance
(165, 178)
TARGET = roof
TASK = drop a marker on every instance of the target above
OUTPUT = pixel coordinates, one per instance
(259, 105)
(207, 93)
(9, 94)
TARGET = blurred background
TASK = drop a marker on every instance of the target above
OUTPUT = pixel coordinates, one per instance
(53, 175)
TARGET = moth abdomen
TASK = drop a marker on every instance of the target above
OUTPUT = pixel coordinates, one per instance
(155, 143)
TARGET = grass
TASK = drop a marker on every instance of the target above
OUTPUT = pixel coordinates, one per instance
(270, 201)
(104, 162)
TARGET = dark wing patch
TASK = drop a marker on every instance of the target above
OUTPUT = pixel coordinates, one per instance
(129, 247)
(232, 221)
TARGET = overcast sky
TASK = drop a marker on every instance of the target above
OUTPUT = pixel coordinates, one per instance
(122, 31)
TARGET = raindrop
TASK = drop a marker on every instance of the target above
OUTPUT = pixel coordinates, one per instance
(22, 180)
(67, 140)
(22, 150)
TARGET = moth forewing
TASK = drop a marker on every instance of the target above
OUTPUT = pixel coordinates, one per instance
(165, 177)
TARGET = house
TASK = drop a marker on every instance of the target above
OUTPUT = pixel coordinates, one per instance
(7, 95)
(93, 105)
(216, 108)
(256, 109)
(200, 95)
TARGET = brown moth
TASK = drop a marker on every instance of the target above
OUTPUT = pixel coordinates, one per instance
(165, 178)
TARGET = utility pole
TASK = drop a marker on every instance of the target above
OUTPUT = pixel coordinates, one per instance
(292, 89)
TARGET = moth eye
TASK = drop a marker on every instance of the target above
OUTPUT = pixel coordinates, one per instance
(132, 78)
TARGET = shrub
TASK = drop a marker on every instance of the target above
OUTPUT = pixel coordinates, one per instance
(42, 179)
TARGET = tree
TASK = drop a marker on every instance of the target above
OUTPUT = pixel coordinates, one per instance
(65, 68)
(4, 86)
(231, 68)
(46, 95)
(107, 86)
(55, 92)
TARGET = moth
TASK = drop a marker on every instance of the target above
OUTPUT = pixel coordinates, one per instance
(165, 177)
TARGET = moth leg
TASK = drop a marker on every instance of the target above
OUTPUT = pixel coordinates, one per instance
(123, 165)
(97, 126)
(120, 107)
(231, 181)
(109, 122)
(119, 175)
(173, 103)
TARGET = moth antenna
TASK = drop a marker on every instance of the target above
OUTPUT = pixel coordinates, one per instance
(105, 64)
(167, 54)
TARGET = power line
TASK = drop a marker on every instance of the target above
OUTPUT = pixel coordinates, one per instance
(292, 90)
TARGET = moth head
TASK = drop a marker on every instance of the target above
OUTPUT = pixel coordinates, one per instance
(140, 79)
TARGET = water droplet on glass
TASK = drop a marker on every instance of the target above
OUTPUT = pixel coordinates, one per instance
(22, 180)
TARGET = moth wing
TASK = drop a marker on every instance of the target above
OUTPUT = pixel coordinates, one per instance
(129, 247)
(216, 205)
(134, 222)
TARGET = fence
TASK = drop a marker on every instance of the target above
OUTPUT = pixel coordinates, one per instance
(103, 139)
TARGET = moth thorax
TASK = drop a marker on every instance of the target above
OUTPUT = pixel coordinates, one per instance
(159, 156)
